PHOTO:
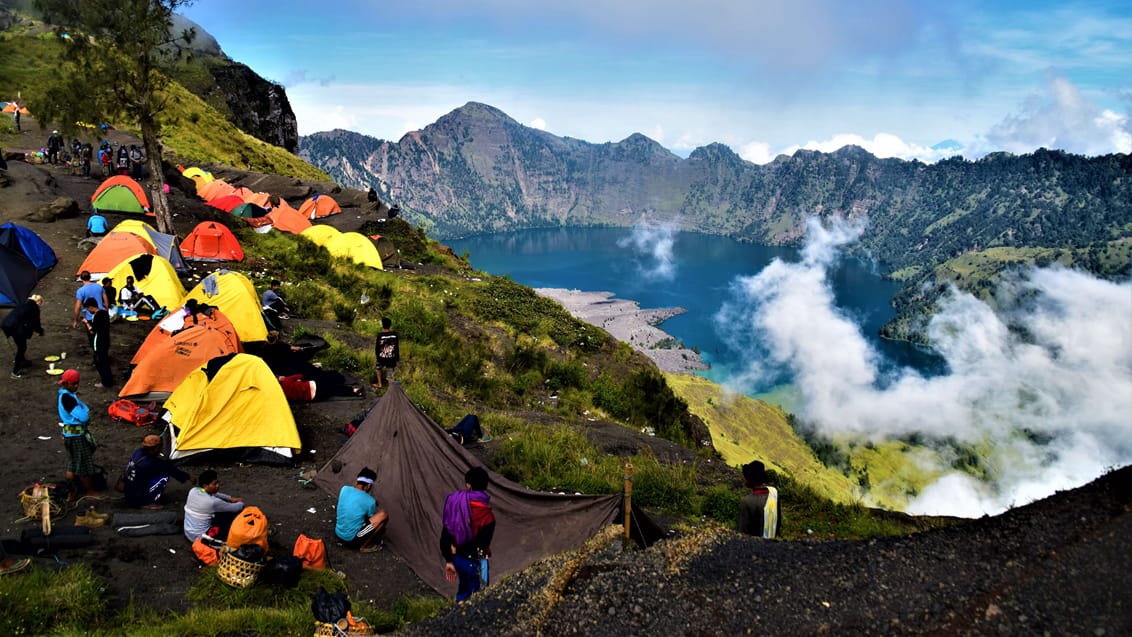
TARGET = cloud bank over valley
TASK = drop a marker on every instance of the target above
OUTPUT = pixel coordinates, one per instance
(1040, 387)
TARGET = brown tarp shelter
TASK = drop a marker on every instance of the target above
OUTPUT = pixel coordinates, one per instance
(418, 464)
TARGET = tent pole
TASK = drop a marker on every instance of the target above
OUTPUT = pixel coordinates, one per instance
(628, 501)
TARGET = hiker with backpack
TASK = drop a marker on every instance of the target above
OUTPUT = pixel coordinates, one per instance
(387, 352)
(122, 163)
(758, 511)
(147, 474)
(465, 539)
(360, 523)
(19, 325)
(74, 418)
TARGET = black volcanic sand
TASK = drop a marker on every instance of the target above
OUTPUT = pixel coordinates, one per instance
(1061, 566)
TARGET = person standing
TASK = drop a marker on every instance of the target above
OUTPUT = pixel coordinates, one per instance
(17, 118)
(88, 290)
(387, 352)
(74, 418)
(758, 511)
(19, 325)
(465, 540)
(207, 507)
(99, 327)
(136, 159)
(54, 145)
(359, 523)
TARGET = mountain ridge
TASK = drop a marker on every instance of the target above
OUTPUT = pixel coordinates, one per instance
(477, 170)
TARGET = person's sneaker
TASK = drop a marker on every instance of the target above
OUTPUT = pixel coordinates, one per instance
(89, 521)
(92, 513)
(16, 375)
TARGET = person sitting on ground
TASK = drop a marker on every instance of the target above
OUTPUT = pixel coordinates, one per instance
(148, 473)
(360, 523)
(129, 294)
(110, 296)
(97, 226)
(207, 508)
(468, 430)
(465, 539)
(19, 325)
(758, 511)
(273, 301)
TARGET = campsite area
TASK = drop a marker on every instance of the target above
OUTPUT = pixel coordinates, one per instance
(1057, 566)
(153, 571)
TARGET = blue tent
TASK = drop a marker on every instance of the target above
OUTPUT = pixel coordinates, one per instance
(24, 260)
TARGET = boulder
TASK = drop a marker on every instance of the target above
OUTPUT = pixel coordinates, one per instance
(61, 208)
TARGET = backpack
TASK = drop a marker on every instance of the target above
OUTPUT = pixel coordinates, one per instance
(249, 527)
(128, 411)
(312, 552)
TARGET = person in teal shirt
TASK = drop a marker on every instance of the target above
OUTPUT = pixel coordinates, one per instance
(97, 226)
(360, 523)
(74, 418)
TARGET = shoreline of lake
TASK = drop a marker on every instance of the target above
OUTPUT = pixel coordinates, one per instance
(628, 323)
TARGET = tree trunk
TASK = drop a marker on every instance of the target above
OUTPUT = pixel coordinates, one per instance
(156, 178)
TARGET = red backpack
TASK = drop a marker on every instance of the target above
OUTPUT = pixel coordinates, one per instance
(128, 411)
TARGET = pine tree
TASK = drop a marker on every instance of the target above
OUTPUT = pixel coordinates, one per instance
(115, 50)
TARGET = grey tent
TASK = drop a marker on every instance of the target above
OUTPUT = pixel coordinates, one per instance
(418, 465)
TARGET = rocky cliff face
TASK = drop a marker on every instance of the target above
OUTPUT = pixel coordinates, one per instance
(257, 106)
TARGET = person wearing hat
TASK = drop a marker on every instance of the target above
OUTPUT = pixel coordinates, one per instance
(74, 418)
(54, 145)
(360, 523)
(19, 325)
(758, 511)
(147, 474)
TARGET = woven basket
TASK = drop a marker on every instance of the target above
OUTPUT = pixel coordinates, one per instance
(236, 572)
(323, 629)
(33, 498)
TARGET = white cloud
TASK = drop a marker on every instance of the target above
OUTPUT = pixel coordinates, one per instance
(537, 123)
(1068, 381)
(1059, 116)
(652, 249)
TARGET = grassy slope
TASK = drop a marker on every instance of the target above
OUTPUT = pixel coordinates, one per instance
(745, 429)
(194, 131)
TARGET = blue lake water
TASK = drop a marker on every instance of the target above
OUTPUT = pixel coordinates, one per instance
(693, 271)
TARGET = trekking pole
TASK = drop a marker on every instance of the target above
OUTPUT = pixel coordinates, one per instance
(628, 500)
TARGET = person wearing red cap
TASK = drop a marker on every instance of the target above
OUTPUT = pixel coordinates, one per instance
(74, 418)
(148, 473)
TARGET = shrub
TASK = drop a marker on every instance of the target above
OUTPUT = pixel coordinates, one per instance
(720, 503)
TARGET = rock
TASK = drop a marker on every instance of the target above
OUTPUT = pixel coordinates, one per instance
(61, 208)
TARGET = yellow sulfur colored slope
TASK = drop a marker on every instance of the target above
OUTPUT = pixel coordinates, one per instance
(745, 429)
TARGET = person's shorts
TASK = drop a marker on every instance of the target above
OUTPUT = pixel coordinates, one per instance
(80, 456)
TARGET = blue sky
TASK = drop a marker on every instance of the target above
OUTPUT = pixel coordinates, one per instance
(894, 76)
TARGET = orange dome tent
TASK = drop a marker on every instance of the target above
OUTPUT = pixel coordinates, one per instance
(319, 206)
(215, 188)
(113, 249)
(287, 219)
(167, 358)
(211, 241)
(120, 194)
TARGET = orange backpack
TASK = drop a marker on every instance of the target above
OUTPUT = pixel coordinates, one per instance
(311, 551)
(205, 553)
(249, 527)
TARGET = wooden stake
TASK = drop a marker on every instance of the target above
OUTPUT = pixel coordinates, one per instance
(628, 500)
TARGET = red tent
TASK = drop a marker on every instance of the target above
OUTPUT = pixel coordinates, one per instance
(211, 241)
